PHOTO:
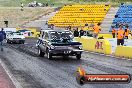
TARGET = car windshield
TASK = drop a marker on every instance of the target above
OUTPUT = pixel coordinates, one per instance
(60, 35)
(15, 33)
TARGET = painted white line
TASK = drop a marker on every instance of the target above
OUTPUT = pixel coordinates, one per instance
(13, 79)
(128, 59)
(112, 56)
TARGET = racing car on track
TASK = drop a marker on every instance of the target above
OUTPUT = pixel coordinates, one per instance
(15, 37)
(58, 43)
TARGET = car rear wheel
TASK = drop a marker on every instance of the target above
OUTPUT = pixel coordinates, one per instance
(40, 53)
(78, 56)
(49, 55)
(23, 42)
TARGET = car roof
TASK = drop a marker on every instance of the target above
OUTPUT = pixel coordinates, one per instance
(47, 30)
(24, 30)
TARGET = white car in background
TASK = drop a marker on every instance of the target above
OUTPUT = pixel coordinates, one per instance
(15, 37)
(26, 33)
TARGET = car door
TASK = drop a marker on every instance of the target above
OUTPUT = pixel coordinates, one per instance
(46, 41)
(41, 41)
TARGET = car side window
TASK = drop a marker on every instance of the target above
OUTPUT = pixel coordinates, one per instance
(46, 36)
(42, 34)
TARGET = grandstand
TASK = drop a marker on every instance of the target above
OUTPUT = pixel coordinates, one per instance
(79, 15)
(123, 16)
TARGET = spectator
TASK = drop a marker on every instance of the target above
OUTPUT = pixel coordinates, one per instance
(46, 5)
(52, 4)
(52, 26)
(127, 31)
(117, 25)
(113, 31)
(130, 35)
(96, 29)
(46, 23)
(91, 25)
(120, 36)
(89, 34)
(86, 24)
(37, 4)
(76, 33)
(86, 27)
(69, 28)
(43, 5)
(81, 32)
(2, 37)
(49, 26)
(22, 6)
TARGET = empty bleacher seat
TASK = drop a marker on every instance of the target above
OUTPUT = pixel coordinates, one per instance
(76, 15)
(123, 16)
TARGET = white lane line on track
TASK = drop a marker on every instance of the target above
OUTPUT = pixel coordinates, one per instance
(112, 56)
(129, 59)
(13, 79)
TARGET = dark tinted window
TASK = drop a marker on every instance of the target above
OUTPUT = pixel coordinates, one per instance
(59, 35)
(46, 36)
(42, 34)
(55, 35)
(67, 35)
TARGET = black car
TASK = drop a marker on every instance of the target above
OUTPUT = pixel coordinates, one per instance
(58, 43)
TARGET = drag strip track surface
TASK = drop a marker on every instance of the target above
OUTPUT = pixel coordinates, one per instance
(39, 72)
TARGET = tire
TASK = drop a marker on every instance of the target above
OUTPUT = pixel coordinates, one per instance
(23, 42)
(82, 80)
(8, 41)
(49, 55)
(40, 53)
(78, 56)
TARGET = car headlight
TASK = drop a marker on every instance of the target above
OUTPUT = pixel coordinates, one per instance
(80, 47)
(52, 47)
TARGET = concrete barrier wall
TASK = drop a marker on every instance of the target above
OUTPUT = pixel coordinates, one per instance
(124, 51)
(95, 45)
(105, 35)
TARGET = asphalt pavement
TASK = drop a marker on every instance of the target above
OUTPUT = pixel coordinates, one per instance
(32, 71)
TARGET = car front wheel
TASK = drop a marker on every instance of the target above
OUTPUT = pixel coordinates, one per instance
(49, 55)
(8, 41)
(40, 53)
(78, 56)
